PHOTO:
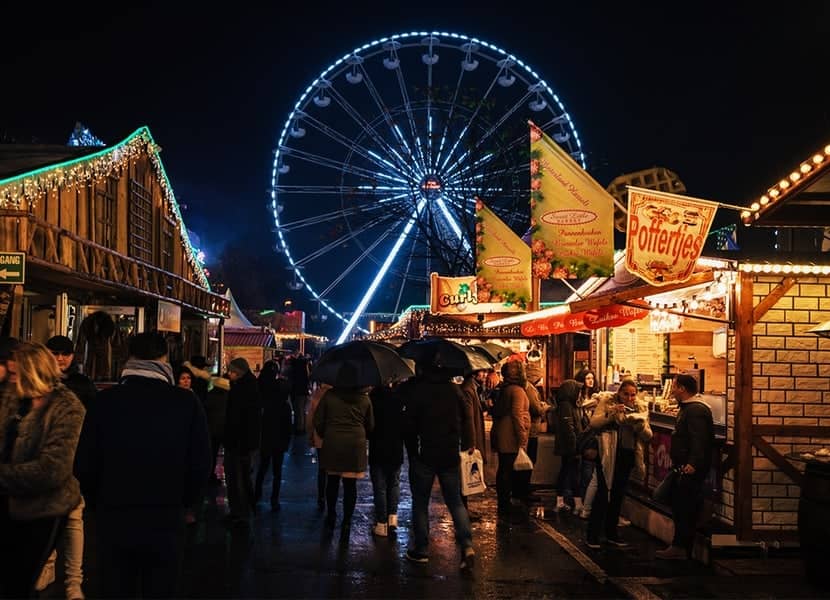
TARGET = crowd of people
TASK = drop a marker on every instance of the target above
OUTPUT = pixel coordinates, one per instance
(66, 447)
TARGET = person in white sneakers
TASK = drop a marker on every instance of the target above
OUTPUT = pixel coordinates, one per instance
(386, 458)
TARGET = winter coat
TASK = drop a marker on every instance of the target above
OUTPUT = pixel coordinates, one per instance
(606, 418)
(277, 421)
(537, 409)
(344, 418)
(38, 477)
(512, 430)
(693, 437)
(435, 426)
(243, 418)
(314, 438)
(386, 439)
(144, 427)
(473, 413)
(80, 385)
(216, 406)
(568, 421)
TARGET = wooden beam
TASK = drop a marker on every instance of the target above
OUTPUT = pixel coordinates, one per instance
(793, 430)
(640, 291)
(744, 325)
(778, 459)
(772, 298)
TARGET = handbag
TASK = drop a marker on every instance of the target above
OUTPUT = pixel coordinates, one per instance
(663, 493)
(472, 473)
(522, 462)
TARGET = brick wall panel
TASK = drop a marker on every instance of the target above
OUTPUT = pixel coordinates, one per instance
(792, 356)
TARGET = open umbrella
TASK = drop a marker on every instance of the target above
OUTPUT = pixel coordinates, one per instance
(492, 351)
(444, 354)
(361, 363)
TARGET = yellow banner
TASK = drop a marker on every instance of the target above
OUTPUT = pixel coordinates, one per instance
(459, 296)
(665, 234)
(571, 215)
(502, 263)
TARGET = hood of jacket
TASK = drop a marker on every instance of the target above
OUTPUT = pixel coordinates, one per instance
(569, 391)
(513, 372)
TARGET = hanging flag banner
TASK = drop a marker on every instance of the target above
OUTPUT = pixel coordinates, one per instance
(460, 295)
(566, 323)
(502, 263)
(665, 234)
(571, 215)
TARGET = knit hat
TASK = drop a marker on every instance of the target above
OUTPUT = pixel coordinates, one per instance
(240, 365)
(221, 383)
(7, 346)
(60, 343)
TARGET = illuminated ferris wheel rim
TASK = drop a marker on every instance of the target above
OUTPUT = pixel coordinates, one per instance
(471, 45)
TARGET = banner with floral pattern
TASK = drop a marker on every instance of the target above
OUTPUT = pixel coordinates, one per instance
(571, 215)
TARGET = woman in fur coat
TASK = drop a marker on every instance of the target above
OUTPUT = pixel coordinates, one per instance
(40, 422)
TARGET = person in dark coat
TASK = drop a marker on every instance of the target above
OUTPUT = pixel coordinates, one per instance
(435, 431)
(63, 350)
(343, 419)
(386, 457)
(145, 424)
(298, 376)
(242, 434)
(473, 390)
(216, 406)
(568, 427)
(276, 429)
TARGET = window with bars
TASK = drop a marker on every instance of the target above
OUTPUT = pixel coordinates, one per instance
(141, 222)
(104, 213)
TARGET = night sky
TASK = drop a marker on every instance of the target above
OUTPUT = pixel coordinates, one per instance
(729, 96)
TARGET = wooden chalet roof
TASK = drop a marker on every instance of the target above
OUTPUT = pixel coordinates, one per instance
(799, 199)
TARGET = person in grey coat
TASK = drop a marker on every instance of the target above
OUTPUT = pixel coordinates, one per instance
(343, 419)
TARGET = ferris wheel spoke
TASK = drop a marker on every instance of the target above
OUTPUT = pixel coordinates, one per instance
(349, 143)
(361, 307)
(337, 214)
(323, 250)
(370, 131)
(365, 190)
(502, 120)
(356, 262)
(410, 117)
(453, 224)
(405, 276)
(449, 117)
(455, 173)
(337, 165)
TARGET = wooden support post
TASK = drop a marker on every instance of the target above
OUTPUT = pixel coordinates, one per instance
(744, 325)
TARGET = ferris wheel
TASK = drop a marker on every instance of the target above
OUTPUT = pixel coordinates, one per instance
(378, 164)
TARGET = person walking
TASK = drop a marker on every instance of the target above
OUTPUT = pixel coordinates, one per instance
(435, 430)
(299, 378)
(243, 421)
(585, 405)
(40, 422)
(511, 429)
(216, 406)
(276, 430)
(473, 390)
(343, 420)
(316, 442)
(144, 424)
(622, 430)
(569, 426)
(691, 454)
(386, 457)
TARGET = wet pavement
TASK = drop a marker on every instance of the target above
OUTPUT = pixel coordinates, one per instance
(534, 552)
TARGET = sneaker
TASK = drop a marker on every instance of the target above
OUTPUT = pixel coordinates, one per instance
(392, 521)
(469, 560)
(380, 529)
(417, 557)
(671, 553)
(618, 542)
(593, 544)
(623, 522)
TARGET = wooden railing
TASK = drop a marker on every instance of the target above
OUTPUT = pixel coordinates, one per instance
(48, 244)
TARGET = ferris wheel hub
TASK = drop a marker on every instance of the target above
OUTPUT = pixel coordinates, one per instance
(432, 187)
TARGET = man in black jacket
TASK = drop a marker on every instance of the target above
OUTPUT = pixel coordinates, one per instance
(691, 454)
(63, 350)
(142, 427)
(243, 421)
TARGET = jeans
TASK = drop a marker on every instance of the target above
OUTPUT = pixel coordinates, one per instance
(238, 478)
(421, 478)
(588, 483)
(606, 510)
(566, 481)
(386, 489)
(275, 458)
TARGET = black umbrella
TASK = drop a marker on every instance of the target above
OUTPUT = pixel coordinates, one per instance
(440, 353)
(361, 363)
(492, 351)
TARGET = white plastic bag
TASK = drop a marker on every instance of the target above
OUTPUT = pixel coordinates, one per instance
(522, 462)
(472, 473)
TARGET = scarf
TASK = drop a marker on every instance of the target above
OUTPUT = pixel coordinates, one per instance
(152, 369)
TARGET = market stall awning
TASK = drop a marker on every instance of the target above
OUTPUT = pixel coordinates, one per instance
(248, 336)
(800, 199)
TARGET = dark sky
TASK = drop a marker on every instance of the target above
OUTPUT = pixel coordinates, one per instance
(728, 95)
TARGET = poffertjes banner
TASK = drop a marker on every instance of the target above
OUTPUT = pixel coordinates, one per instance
(502, 263)
(665, 234)
(571, 215)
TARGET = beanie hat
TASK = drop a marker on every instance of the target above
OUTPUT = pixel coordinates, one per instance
(60, 343)
(240, 365)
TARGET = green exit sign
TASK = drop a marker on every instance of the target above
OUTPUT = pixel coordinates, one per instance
(12, 268)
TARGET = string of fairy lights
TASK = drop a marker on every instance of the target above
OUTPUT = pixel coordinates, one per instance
(24, 191)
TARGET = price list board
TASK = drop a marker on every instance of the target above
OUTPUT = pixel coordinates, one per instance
(637, 349)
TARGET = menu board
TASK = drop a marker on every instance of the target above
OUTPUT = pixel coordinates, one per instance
(638, 350)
